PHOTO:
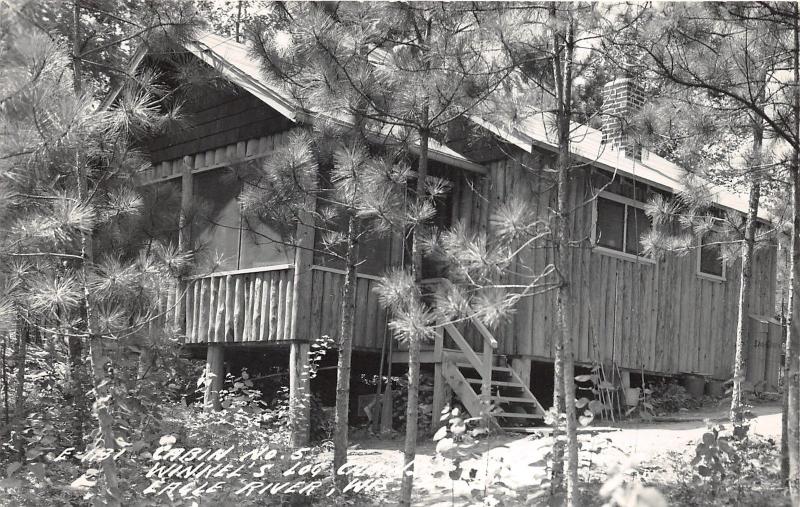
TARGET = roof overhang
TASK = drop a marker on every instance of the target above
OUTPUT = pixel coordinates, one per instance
(653, 170)
(233, 61)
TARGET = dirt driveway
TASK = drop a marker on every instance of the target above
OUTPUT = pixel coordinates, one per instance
(642, 446)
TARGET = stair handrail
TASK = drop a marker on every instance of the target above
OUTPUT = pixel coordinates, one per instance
(482, 329)
(483, 367)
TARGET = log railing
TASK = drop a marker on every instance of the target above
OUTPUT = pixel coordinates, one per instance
(240, 306)
(480, 363)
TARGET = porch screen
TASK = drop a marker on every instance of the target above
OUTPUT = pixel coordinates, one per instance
(226, 239)
(217, 220)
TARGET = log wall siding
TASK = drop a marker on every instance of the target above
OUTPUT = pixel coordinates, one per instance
(660, 316)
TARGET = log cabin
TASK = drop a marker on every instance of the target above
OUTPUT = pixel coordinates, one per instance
(665, 316)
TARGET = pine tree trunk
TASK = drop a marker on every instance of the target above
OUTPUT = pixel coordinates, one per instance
(793, 352)
(565, 371)
(19, 395)
(99, 380)
(5, 379)
(787, 322)
(78, 383)
(345, 353)
(557, 472)
(737, 412)
(793, 338)
(414, 345)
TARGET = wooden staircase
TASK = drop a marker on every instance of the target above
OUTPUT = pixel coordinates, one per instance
(479, 383)
(513, 406)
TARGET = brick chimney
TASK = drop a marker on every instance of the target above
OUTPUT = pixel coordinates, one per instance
(622, 98)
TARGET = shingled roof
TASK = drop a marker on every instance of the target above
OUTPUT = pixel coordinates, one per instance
(235, 62)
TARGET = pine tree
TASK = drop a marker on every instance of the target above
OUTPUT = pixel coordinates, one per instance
(378, 59)
(743, 61)
(551, 45)
(349, 187)
(67, 177)
(706, 68)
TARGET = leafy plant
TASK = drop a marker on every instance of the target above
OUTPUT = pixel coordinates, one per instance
(457, 443)
(620, 490)
(714, 459)
(600, 389)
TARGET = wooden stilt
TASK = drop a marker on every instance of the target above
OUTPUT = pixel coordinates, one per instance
(299, 393)
(297, 316)
(439, 401)
(215, 368)
(439, 382)
(625, 378)
(522, 366)
(386, 403)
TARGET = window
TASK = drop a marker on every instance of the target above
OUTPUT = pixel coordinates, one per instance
(620, 224)
(709, 258)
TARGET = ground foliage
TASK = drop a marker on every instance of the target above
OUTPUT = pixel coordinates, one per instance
(726, 470)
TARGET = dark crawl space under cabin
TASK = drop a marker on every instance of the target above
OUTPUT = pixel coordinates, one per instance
(263, 303)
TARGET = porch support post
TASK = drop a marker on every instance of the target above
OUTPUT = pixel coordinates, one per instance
(299, 385)
(387, 405)
(440, 398)
(184, 239)
(625, 378)
(522, 366)
(299, 393)
(215, 371)
(396, 253)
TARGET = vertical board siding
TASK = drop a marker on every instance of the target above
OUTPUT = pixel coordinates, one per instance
(370, 326)
(658, 316)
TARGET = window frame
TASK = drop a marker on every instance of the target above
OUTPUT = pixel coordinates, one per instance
(622, 254)
(709, 276)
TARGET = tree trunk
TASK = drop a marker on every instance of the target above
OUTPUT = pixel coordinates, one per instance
(19, 395)
(557, 473)
(345, 353)
(564, 388)
(787, 322)
(104, 418)
(5, 380)
(737, 413)
(98, 363)
(793, 339)
(793, 351)
(78, 383)
(414, 345)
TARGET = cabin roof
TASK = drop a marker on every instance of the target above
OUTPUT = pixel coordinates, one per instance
(586, 145)
(235, 61)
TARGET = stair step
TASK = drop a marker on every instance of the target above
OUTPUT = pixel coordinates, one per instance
(518, 415)
(495, 383)
(494, 368)
(521, 429)
(514, 399)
